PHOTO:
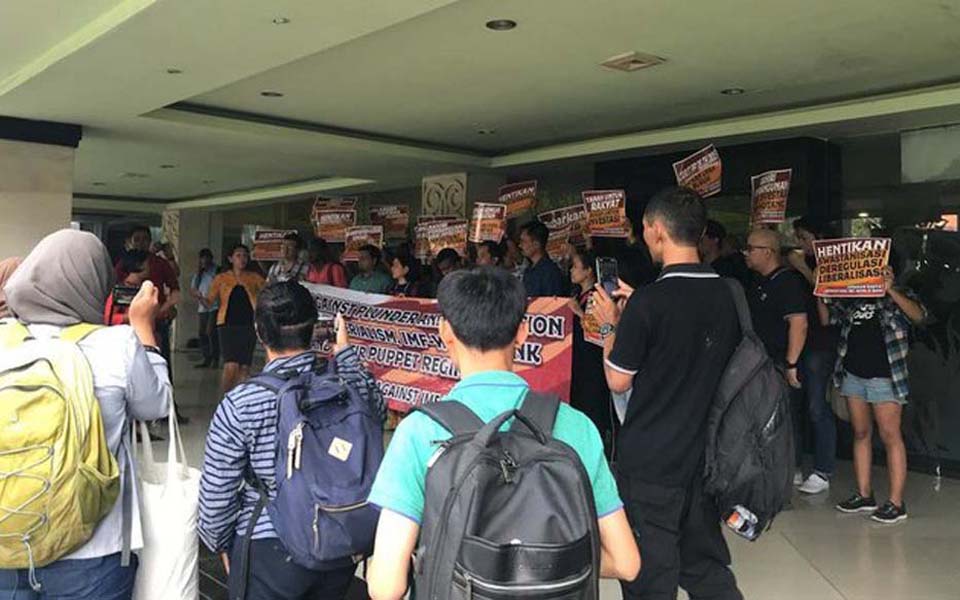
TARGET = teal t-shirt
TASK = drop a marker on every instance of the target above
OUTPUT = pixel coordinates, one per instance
(401, 481)
(376, 282)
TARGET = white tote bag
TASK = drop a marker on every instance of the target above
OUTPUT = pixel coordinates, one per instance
(169, 499)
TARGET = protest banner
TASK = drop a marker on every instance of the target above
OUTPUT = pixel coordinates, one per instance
(769, 192)
(851, 267)
(489, 222)
(447, 234)
(606, 212)
(519, 197)
(268, 244)
(358, 237)
(332, 224)
(398, 340)
(573, 218)
(702, 171)
(394, 218)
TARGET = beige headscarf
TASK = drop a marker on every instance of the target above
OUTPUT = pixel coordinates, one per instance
(7, 267)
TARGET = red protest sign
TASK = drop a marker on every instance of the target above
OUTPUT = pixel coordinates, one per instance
(606, 212)
(268, 244)
(489, 222)
(394, 218)
(769, 192)
(358, 237)
(851, 267)
(519, 197)
(702, 171)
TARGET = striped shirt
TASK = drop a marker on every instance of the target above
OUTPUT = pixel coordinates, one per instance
(243, 435)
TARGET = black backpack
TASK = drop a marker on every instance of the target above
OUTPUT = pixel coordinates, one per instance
(507, 514)
(749, 456)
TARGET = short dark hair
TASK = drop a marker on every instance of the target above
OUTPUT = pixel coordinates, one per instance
(133, 261)
(285, 317)
(293, 236)
(206, 253)
(815, 225)
(484, 306)
(408, 261)
(538, 231)
(236, 247)
(373, 251)
(448, 254)
(682, 212)
(715, 231)
(587, 257)
(495, 250)
(140, 227)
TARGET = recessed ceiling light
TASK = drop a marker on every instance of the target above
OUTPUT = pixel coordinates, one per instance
(733, 91)
(174, 71)
(501, 24)
(98, 183)
(486, 131)
(632, 61)
(269, 94)
(281, 21)
(168, 166)
(864, 215)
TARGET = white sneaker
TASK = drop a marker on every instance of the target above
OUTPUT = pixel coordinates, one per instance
(797, 478)
(815, 484)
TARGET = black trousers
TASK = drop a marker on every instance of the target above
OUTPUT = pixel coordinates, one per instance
(209, 340)
(274, 576)
(678, 531)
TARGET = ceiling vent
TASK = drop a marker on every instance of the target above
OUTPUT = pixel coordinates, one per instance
(632, 61)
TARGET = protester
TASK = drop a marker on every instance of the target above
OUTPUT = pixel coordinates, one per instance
(483, 321)
(135, 264)
(242, 443)
(404, 270)
(64, 282)
(207, 315)
(447, 261)
(323, 268)
(165, 251)
(489, 254)
(543, 277)
(7, 268)
(671, 344)
(236, 292)
(816, 366)
(371, 278)
(289, 267)
(712, 252)
(513, 259)
(872, 374)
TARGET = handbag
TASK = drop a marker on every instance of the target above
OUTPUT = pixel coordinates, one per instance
(839, 403)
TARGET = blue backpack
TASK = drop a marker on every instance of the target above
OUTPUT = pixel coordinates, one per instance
(329, 448)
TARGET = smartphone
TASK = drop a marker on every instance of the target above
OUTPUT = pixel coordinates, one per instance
(123, 295)
(607, 274)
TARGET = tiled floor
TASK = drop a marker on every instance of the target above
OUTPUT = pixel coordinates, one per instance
(812, 552)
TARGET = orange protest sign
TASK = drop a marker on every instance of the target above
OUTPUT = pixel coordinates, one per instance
(268, 244)
(447, 234)
(572, 218)
(519, 197)
(769, 192)
(851, 267)
(606, 212)
(489, 222)
(702, 171)
(395, 219)
(332, 224)
(358, 237)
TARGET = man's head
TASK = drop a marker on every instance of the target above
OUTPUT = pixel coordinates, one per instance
(291, 246)
(711, 243)
(369, 258)
(448, 261)
(205, 259)
(483, 315)
(285, 317)
(139, 238)
(808, 229)
(239, 257)
(135, 264)
(533, 240)
(674, 218)
(763, 251)
(489, 254)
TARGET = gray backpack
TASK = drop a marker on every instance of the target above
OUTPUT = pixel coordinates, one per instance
(507, 514)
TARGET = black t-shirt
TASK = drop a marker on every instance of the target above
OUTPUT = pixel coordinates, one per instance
(819, 338)
(866, 349)
(675, 336)
(773, 299)
(733, 266)
(239, 309)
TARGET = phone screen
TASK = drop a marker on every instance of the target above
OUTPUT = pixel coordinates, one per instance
(123, 295)
(607, 274)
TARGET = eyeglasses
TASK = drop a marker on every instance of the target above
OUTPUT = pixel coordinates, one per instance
(749, 248)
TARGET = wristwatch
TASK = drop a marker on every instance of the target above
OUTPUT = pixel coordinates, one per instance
(606, 330)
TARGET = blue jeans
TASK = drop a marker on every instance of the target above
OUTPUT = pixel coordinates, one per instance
(813, 411)
(100, 578)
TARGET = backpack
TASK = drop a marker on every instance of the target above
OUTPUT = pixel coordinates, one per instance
(58, 478)
(506, 514)
(749, 454)
(329, 448)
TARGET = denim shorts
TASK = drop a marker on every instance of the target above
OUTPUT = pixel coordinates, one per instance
(875, 391)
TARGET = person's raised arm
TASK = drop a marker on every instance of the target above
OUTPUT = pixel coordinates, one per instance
(619, 555)
(393, 547)
(910, 307)
(608, 312)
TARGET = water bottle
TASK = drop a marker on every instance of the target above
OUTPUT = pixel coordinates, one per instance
(743, 522)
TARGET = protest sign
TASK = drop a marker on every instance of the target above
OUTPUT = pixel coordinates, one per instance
(395, 219)
(399, 341)
(447, 234)
(358, 237)
(332, 224)
(557, 241)
(489, 222)
(421, 243)
(519, 197)
(591, 324)
(770, 191)
(422, 219)
(268, 244)
(851, 267)
(606, 212)
(573, 218)
(702, 171)
(322, 204)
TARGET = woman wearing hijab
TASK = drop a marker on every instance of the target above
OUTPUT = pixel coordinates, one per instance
(7, 267)
(65, 281)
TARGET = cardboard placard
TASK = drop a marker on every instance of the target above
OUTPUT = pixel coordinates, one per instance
(572, 218)
(557, 244)
(447, 234)
(519, 197)
(606, 212)
(395, 219)
(769, 192)
(591, 324)
(489, 222)
(268, 244)
(851, 267)
(702, 171)
(421, 243)
(358, 237)
(332, 224)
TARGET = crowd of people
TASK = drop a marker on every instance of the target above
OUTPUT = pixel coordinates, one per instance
(667, 333)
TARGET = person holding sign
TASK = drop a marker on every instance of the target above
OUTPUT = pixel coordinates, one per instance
(290, 267)
(871, 372)
(543, 277)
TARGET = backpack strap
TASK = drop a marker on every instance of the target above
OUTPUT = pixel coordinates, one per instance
(740, 301)
(541, 409)
(453, 416)
(76, 333)
(268, 381)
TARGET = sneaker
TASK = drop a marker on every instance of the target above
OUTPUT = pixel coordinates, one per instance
(858, 503)
(890, 513)
(815, 484)
(797, 478)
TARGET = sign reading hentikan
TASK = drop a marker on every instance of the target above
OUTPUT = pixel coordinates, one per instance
(851, 267)
(606, 213)
(770, 191)
(268, 244)
(519, 197)
(331, 224)
(702, 171)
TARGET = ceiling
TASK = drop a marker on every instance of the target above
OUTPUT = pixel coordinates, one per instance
(385, 92)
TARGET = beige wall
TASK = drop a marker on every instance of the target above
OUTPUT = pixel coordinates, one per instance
(36, 190)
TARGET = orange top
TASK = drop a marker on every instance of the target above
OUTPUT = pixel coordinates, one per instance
(223, 285)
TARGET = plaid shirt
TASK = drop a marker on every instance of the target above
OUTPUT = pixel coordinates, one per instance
(896, 333)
